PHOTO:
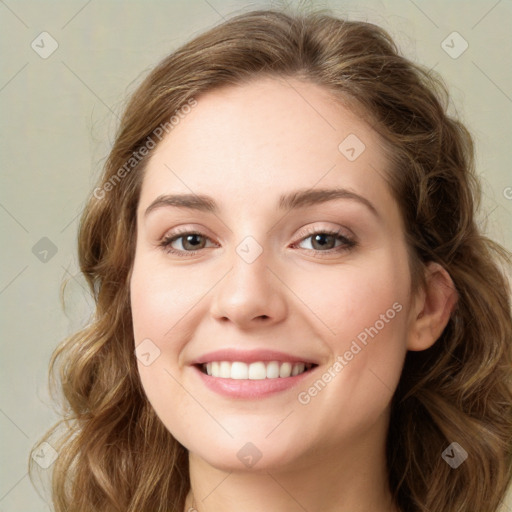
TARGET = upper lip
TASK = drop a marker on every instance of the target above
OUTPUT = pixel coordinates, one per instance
(250, 356)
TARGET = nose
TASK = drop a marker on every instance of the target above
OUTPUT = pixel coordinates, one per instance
(250, 295)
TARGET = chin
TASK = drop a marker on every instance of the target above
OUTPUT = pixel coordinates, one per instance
(247, 453)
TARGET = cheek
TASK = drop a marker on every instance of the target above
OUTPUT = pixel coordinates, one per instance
(364, 310)
(160, 302)
(354, 297)
(161, 299)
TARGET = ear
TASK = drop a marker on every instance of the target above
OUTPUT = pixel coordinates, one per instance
(432, 308)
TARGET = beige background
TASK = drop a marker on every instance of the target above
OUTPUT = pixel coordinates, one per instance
(58, 119)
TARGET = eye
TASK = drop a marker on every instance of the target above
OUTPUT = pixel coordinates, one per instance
(190, 242)
(325, 240)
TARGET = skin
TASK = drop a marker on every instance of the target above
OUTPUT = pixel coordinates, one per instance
(245, 146)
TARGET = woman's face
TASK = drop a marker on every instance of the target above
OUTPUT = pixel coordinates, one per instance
(278, 275)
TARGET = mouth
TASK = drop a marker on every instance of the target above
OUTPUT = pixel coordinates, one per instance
(252, 374)
(252, 381)
(257, 370)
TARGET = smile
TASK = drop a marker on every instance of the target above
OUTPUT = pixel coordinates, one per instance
(258, 370)
(252, 374)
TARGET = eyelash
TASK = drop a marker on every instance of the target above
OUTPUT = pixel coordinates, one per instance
(347, 243)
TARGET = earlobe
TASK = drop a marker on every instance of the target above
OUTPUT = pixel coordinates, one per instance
(433, 308)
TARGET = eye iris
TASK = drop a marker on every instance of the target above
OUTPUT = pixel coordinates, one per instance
(321, 239)
(193, 240)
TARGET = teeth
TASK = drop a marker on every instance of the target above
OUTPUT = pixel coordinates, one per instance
(238, 371)
(272, 370)
(285, 370)
(254, 371)
(257, 371)
(225, 370)
(297, 368)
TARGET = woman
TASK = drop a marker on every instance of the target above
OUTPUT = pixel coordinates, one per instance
(295, 309)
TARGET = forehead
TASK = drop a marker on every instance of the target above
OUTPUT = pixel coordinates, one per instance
(260, 139)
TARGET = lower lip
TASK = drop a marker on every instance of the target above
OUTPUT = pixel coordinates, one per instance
(250, 389)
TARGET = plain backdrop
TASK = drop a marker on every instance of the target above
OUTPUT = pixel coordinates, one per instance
(61, 94)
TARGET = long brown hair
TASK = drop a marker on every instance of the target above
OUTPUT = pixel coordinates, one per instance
(116, 455)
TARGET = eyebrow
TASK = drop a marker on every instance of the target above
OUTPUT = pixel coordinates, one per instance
(293, 200)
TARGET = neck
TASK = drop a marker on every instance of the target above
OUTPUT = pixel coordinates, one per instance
(352, 478)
